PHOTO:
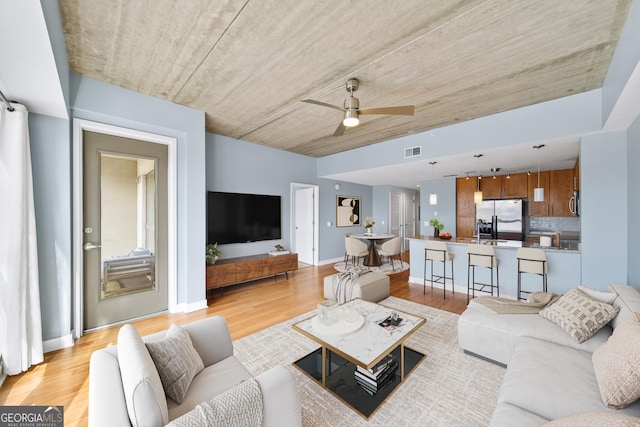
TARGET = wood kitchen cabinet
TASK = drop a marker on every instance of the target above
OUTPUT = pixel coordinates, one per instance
(539, 208)
(465, 208)
(515, 187)
(561, 191)
(491, 187)
(558, 189)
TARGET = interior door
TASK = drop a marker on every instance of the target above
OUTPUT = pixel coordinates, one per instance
(125, 229)
(304, 224)
(402, 217)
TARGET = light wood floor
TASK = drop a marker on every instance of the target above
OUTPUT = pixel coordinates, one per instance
(63, 377)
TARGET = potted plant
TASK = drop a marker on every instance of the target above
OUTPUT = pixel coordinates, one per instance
(368, 224)
(213, 253)
(437, 226)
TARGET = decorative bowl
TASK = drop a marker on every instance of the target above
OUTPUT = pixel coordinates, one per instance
(445, 237)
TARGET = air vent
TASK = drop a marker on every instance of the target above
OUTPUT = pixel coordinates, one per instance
(412, 152)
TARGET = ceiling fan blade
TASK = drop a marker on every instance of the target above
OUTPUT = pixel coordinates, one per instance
(405, 110)
(340, 130)
(323, 104)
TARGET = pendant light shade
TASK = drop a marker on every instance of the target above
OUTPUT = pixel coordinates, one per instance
(433, 197)
(477, 195)
(538, 192)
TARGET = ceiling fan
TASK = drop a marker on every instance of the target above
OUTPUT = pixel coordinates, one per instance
(352, 109)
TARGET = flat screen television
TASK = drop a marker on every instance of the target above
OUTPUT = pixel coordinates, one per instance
(242, 218)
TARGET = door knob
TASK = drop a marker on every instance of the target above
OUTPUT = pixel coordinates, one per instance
(88, 246)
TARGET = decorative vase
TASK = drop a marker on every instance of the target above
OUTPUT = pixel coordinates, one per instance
(436, 233)
(369, 230)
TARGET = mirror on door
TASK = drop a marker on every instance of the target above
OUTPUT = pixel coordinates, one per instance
(127, 225)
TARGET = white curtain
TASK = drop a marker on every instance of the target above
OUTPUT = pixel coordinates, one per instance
(20, 324)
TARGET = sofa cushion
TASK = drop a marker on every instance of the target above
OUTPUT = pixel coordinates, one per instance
(176, 360)
(553, 381)
(506, 415)
(617, 365)
(605, 297)
(628, 301)
(146, 402)
(212, 381)
(579, 315)
(595, 419)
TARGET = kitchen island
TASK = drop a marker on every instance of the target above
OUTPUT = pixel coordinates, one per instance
(564, 265)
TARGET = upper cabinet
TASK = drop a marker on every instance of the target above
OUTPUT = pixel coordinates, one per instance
(558, 189)
(542, 180)
(501, 187)
(464, 197)
(515, 187)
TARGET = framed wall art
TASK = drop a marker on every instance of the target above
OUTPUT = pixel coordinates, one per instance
(348, 211)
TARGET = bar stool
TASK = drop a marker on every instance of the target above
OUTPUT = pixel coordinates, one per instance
(437, 251)
(534, 261)
(481, 256)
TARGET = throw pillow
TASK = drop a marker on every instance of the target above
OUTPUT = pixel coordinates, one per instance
(606, 297)
(595, 418)
(616, 364)
(146, 403)
(579, 315)
(177, 362)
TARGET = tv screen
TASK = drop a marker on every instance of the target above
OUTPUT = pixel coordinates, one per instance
(241, 218)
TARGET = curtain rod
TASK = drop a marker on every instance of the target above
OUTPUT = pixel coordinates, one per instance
(6, 102)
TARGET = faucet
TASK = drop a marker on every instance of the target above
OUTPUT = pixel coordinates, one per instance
(478, 225)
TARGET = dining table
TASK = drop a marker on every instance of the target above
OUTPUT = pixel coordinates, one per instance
(373, 259)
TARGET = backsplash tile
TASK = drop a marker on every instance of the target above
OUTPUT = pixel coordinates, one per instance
(568, 226)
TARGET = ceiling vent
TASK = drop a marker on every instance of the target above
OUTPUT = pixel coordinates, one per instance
(412, 152)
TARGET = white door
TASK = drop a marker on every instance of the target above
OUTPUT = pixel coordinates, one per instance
(125, 229)
(304, 224)
(402, 216)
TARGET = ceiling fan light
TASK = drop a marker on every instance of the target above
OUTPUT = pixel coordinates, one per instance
(351, 117)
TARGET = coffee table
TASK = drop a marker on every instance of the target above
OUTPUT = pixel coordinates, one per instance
(333, 365)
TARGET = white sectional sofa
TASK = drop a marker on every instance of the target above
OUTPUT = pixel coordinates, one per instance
(109, 380)
(549, 375)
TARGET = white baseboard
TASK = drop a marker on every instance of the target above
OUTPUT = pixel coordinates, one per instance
(57, 343)
(331, 261)
(188, 308)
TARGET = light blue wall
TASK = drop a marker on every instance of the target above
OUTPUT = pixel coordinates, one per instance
(572, 115)
(624, 60)
(633, 199)
(243, 167)
(604, 215)
(105, 103)
(51, 164)
(444, 211)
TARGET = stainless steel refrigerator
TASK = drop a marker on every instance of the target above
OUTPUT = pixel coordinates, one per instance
(501, 219)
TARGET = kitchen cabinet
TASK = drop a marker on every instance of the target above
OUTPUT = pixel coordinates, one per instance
(465, 208)
(501, 187)
(491, 187)
(561, 191)
(539, 208)
(515, 187)
(558, 189)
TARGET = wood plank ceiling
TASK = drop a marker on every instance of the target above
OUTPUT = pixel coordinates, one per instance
(249, 63)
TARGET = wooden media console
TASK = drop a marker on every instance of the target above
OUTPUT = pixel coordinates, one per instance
(230, 271)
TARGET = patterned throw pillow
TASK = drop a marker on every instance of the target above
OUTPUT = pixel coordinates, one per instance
(177, 362)
(579, 315)
(616, 364)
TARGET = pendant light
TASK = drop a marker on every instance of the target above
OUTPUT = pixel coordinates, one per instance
(433, 197)
(477, 195)
(538, 192)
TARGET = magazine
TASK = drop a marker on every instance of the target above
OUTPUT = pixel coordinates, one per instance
(392, 323)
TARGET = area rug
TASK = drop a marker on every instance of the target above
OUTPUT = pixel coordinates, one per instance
(385, 268)
(449, 387)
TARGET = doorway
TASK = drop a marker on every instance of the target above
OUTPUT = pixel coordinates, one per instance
(124, 225)
(305, 207)
(402, 216)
